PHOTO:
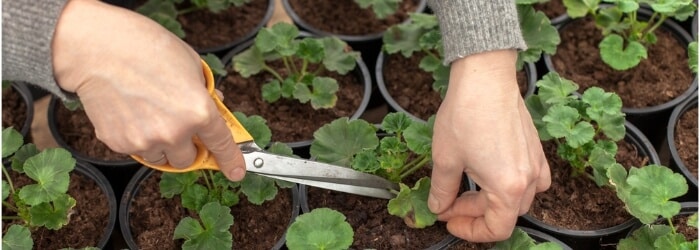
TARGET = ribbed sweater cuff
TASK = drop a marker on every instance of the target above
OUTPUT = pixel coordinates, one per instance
(473, 26)
(28, 27)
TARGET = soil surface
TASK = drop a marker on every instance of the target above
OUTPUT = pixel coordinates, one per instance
(88, 220)
(578, 203)
(412, 88)
(290, 120)
(77, 131)
(332, 16)
(686, 139)
(153, 219)
(661, 77)
(552, 8)
(681, 224)
(205, 30)
(14, 109)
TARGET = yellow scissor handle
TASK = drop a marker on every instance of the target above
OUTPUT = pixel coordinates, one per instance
(205, 160)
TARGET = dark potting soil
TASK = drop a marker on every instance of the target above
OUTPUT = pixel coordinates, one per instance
(552, 8)
(578, 203)
(87, 222)
(14, 109)
(77, 131)
(153, 219)
(686, 139)
(289, 120)
(204, 29)
(681, 224)
(412, 88)
(664, 75)
(333, 16)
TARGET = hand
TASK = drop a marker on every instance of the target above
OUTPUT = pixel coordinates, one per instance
(484, 130)
(142, 88)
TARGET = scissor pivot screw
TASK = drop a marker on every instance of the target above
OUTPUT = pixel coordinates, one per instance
(258, 162)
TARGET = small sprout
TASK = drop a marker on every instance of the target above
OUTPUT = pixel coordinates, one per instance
(322, 228)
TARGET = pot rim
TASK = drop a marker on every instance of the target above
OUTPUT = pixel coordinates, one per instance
(678, 111)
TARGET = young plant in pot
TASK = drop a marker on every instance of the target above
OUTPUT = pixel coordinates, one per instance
(420, 69)
(632, 48)
(197, 209)
(582, 138)
(402, 155)
(209, 26)
(297, 82)
(51, 201)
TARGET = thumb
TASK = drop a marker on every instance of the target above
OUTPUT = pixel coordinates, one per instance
(444, 186)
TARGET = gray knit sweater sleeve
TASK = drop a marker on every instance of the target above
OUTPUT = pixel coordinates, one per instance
(474, 26)
(27, 31)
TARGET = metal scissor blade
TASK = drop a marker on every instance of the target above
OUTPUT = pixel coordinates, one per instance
(359, 190)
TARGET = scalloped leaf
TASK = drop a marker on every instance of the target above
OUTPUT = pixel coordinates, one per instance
(337, 142)
(50, 169)
(17, 237)
(12, 140)
(322, 228)
(212, 233)
(258, 188)
(52, 215)
(172, 184)
(616, 55)
(411, 204)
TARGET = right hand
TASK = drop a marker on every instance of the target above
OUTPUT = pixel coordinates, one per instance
(142, 87)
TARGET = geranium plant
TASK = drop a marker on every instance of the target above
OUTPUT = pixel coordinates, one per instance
(626, 35)
(404, 148)
(44, 203)
(422, 35)
(322, 228)
(209, 193)
(304, 59)
(165, 12)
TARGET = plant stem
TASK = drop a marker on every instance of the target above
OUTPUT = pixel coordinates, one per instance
(656, 25)
(4, 217)
(9, 181)
(206, 179)
(319, 69)
(9, 206)
(273, 72)
(188, 10)
(304, 64)
(670, 223)
(417, 164)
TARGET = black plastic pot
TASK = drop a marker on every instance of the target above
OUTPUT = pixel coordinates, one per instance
(650, 120)
(594, 239)
(442, 244)
(117, 171)
(368, 45)
(28, 99)
(301, 148)
(669, 148)
(538, 236)
(529, 68)
(90, 171)
(133, 189)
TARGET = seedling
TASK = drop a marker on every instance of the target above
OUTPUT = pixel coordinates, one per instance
(44, 203)
(647, 193)
(381, 8)
(626, 36)
(585, 129)
(422, 34)
(299, 80)
(322, 229)
(209, 193)
(165, 12)
(404, 148)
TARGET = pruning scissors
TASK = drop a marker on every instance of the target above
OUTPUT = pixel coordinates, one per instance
(285, 168)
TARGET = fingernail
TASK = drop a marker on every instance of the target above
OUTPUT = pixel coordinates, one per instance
(433, 204)
(237, 174)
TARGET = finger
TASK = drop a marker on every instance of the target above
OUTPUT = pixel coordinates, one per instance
(527, 198)
(218, 139)
(544, 179)
(182, 154)
(157, 159)
(444, 186)
(496, 224)
(469, 204)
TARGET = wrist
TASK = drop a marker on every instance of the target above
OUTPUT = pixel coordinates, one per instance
(488, 74)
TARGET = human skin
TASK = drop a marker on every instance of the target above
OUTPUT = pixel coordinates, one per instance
(483, 129)
(142, 88)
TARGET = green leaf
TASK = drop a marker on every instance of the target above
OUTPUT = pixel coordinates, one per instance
(381, 8)
(610, 20)
(168, 22)
(172, 184)
(366, 161)
(257, 128)
(271, 91)
(644, 237)
(601, 161)
(601, 102)
(693, 56)
(519, 239)
(50, 169)
(580, 8)
(537, 110)
(396, 122)
(651, 189)
(411, 204)
(229, 198)
(669, 241)
(258, 188)
(614, 53)
(322, 228)
(212, 233)
(5, 189)
(419, 138)
(52, 215)
(278, 38)
(693, 220)
(539, 34)
(669, 7)
(323, 94)
(20, 157)
(441, 77)
(337, 142)
(17, 237)
(430, 63)
(431, 40)
(560, 120)
(405, 37)
(311, 50)
(216, 6)
(12, 140)
(217, 67)
(613, 126)
(195, 196)
(554, 89)
(249, 62)
(336, 57)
